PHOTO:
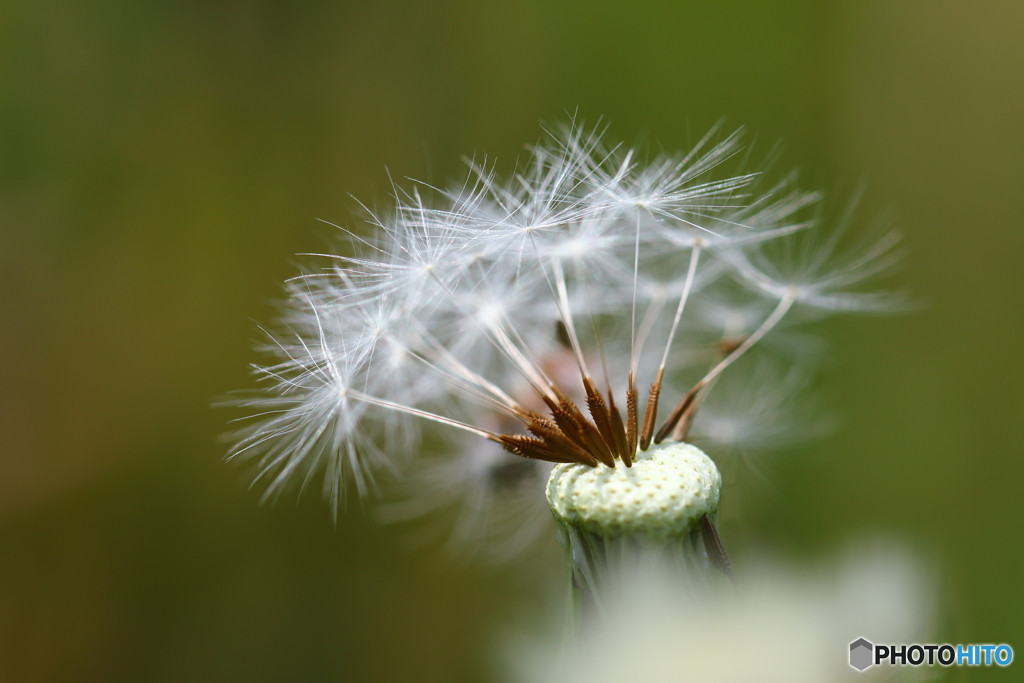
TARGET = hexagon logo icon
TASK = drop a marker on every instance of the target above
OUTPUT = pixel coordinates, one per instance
(860, 654)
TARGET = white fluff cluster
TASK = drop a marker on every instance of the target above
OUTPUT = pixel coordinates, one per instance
(474, 309)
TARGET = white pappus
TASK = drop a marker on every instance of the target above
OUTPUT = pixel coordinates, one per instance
(479, 334)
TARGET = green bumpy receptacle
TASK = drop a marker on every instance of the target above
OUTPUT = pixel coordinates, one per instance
(661, 497)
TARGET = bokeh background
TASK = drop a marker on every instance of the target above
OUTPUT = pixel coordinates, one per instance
(162, 162)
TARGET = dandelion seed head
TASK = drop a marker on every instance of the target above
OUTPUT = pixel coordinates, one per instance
(516, 321)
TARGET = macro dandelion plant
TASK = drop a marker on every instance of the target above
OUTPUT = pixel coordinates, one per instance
(557, 330)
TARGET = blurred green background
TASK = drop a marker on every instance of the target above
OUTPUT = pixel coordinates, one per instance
(162, 162)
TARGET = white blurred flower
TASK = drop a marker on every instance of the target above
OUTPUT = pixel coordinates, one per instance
(784, 626)
(517, 318)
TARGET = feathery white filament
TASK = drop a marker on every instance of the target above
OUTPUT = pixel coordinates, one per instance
(694, 257)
